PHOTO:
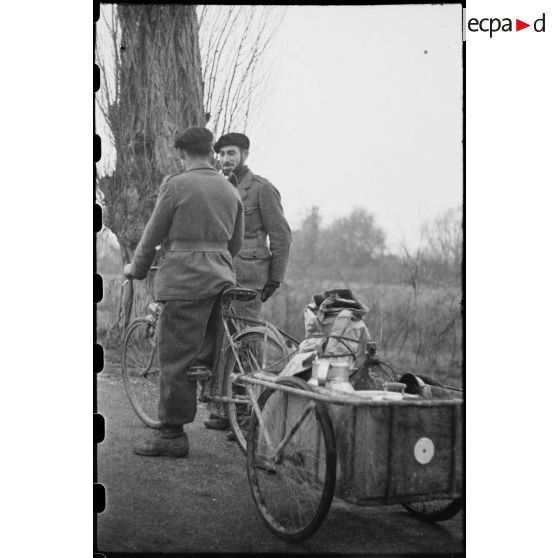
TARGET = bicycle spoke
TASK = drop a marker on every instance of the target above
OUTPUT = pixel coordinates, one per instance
(295, 427)
(245, 358)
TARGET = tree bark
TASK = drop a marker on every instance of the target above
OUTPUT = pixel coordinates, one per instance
(159, 94)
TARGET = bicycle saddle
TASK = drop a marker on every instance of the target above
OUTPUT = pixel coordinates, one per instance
(239, 293)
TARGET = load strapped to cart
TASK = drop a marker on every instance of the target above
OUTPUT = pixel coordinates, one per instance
(394, 439)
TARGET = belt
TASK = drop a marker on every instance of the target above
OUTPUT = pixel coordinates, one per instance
(198, 246)
(254, 243)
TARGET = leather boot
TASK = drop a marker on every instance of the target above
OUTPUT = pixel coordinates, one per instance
(170, 441)
(217, 422)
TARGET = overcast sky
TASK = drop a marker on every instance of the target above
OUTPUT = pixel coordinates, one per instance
(365, 111)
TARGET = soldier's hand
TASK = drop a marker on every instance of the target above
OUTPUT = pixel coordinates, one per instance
(128, 271)
(269, 288)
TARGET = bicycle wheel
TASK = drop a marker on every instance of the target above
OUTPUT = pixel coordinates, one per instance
(436, 510)
(291, 461)
(140, 368)
(255, 351)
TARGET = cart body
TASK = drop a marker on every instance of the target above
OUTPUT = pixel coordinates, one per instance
(398, 451)
(388, 451)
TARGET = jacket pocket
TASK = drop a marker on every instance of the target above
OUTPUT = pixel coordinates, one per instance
(252, 266)
(255, 253)
(249, 209)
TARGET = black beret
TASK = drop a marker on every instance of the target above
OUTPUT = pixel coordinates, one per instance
(239, 140)
(193, 138)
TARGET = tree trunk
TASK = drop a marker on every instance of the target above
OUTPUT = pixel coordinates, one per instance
(159, 93)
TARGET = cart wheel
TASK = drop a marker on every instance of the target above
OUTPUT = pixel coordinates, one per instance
(291, 461)
(382, 372)
(436, 510)
(255, 351)
(140, 368)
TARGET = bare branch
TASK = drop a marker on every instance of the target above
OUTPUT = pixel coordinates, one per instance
(234, 44)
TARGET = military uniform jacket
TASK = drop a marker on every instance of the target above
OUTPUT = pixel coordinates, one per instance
(201, 206)
(258, 261)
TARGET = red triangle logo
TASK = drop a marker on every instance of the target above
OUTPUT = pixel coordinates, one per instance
(519, 25)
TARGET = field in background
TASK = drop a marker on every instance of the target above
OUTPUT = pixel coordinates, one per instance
(421, 333)
(414, 297)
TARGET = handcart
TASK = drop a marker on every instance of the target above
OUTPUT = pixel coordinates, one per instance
(307, 444)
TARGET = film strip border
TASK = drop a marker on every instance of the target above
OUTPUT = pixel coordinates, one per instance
(99, 492)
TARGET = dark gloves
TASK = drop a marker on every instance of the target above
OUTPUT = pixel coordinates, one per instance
(269, 288)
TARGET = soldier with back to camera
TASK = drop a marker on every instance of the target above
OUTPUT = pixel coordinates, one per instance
(200, 214)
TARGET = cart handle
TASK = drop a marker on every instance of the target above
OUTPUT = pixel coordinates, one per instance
(340, 398)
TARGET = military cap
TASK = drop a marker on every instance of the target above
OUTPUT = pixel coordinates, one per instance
(194, 139)
(233, 138)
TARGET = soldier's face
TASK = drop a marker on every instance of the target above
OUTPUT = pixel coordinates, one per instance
(231, 157)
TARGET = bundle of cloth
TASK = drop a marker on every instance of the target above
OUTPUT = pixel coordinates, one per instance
(334, 330)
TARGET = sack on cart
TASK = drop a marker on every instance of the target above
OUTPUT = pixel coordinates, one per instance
(334, 330)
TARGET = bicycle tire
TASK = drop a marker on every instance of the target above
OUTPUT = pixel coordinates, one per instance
(252, 356)
(140, 370)
(435, 510)
(292, 488)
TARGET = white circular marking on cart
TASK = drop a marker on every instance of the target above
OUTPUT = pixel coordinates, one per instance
(424, 450)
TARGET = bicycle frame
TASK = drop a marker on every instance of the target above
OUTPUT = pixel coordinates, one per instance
(231, 326)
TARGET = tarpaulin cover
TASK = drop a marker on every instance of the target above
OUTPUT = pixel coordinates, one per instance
(334, 330)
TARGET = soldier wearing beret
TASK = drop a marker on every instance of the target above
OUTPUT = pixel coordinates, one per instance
(200, 216)
(262, 262)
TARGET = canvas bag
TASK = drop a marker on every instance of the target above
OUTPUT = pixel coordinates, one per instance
(334, 330)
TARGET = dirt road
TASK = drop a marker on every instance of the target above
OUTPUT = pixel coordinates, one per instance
(203, 503)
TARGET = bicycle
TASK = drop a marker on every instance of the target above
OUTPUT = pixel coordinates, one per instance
(244, 346)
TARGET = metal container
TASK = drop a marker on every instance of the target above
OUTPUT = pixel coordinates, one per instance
(331, 375)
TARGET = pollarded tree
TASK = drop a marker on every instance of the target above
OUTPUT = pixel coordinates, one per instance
(152, 88)
(154, 62)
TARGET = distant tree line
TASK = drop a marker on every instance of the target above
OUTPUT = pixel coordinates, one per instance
(414, 295)
(354, 248)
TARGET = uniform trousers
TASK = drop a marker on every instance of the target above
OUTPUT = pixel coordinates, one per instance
(187, 337)
(249, 309)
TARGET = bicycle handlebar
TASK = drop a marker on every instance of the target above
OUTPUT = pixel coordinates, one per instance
(152, 268)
